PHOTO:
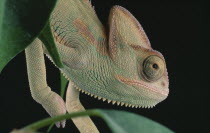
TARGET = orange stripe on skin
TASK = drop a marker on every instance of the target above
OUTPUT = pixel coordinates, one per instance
(60, 39)
(83, 29)
(141, 84)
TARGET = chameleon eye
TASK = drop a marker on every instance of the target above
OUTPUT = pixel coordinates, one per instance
(153, 68)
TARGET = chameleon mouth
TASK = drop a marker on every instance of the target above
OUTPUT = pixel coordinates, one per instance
(141, 84)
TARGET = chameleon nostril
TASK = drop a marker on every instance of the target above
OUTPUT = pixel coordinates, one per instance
(163, 84)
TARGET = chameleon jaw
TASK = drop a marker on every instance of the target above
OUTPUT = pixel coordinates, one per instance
(146, 104)
(113, 102)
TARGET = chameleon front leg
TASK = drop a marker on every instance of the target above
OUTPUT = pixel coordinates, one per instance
(73, 104)
(40, 91)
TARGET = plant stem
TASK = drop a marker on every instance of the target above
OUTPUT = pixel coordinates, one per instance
(50, 127)
(37, 125)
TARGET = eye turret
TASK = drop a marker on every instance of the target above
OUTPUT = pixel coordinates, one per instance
(153, 68)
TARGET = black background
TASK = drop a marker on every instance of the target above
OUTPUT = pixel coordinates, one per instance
(177, 30)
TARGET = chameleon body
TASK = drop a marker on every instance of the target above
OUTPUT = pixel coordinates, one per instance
(116, 65)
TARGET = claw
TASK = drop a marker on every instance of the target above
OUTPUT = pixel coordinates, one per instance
(60, 124)
(63, 123)
(57, 124)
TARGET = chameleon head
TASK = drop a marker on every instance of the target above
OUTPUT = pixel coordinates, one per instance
(130, 74)
(140, 70)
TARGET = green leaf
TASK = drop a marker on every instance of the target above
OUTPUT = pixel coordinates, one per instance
(46, 37)
(20, 23)
(118, 121)
(125, 122)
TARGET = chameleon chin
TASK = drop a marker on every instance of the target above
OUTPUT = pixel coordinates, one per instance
(117, 65)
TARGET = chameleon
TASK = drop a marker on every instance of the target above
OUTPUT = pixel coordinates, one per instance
(117, 65)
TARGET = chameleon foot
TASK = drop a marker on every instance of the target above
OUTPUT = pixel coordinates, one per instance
(55, 106)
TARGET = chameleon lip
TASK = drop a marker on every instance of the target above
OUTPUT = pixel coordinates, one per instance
(142, 84)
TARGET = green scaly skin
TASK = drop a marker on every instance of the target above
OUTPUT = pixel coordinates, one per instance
(116, 65)
(95, 61)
